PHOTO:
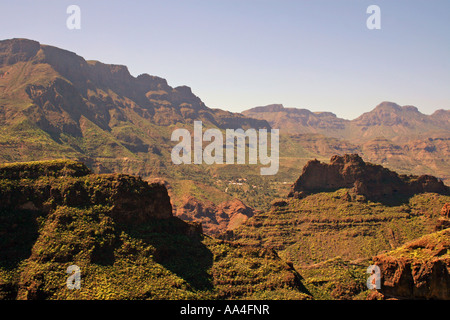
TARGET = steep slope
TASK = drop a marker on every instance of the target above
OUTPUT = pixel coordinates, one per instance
(120, 232)
(87, 109)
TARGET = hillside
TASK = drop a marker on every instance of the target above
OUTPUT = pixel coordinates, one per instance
(120, 231)
(331, 234)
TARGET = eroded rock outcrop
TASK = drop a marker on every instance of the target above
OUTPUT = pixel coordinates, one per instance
(418, 270)
(372, 181)
(214, 218)
(444, 220)
(43, 186)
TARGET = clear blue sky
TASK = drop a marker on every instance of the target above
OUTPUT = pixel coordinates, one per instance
(238, 54)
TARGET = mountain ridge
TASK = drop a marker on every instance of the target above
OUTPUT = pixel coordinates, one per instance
(400, 137)
(144, 91)
(386, 113)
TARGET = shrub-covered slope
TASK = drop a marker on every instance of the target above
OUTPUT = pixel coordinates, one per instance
(330, 236)
(120, 232)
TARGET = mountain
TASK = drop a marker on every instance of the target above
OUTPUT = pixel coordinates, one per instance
(387, 120)
(54, 104)
(371, 181)
(393, 121)
(120, 232)
(293, 120)
(90, 110)
(399, 137)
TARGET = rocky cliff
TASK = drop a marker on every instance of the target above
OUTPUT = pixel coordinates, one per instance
(43, 186)
(418, 270)
(372, 181)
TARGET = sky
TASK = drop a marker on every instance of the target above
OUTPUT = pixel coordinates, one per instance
(238, 54)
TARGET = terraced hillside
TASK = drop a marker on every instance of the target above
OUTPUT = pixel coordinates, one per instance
(331, 236)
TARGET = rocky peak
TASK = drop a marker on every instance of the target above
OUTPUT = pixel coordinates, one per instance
(388, 106)
(389, 114)
(372, 181)
(15, 50)
(347, 159)
(152, 82)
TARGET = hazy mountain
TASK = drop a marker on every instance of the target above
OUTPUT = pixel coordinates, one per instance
(399, 137)
(293, 120)
(387, 120)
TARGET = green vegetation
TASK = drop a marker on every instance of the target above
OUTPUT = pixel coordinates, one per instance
(426, 247)
(39, 169)
(54, 215)
(323, 232)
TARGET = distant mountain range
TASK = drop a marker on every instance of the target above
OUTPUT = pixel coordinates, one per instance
(387, 120)
(399, 137)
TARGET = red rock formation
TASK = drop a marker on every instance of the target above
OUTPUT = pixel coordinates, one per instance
(444, 220)
(370, 180)
(214, 218)
(418, 270)
(71, 184)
